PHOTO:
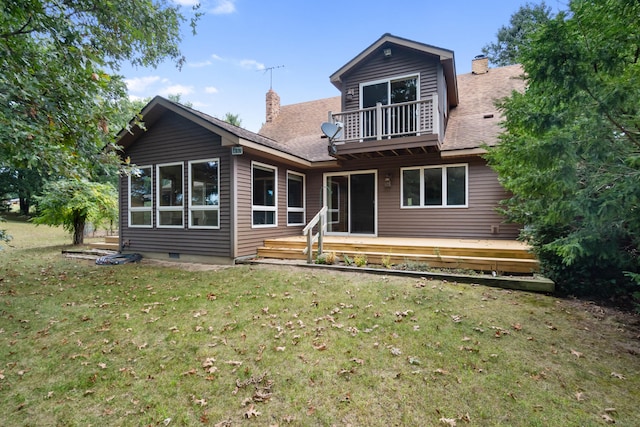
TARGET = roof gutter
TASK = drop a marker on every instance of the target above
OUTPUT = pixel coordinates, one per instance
(463, 153)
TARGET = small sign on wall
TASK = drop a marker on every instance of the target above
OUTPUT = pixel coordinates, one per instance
(236, 150)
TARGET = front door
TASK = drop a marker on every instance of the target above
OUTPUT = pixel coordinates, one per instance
(351, 203)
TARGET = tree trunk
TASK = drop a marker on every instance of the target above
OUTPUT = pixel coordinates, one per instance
(78, 230)
(25, 202)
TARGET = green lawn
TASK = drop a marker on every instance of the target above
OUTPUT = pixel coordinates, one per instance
(146, 344)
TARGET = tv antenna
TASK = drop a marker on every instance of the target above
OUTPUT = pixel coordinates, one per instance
(270, 70)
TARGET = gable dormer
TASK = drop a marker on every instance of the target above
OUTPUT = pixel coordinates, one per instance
(395, 93)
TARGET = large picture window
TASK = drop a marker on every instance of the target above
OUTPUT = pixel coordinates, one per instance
(435, 186)
(204, 194)
(140, 197)
(170, 178)
(264, 195)
(295, 199)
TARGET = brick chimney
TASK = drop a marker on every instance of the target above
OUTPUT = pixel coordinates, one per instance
(480, 65)
(273, 106)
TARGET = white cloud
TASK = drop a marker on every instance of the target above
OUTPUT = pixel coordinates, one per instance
(224, 7)
(198, 64)
(216, 57)
(211, 89)
(140, 84)
(252, 64)
(176, 89)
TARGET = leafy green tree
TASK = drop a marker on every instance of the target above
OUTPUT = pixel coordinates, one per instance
(73, 203)
(23, 184)
(504, 51)
(58, 87)
(571, 151)
(178, 98)
(233, 119)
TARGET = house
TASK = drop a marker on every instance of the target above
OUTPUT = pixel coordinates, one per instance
(402, 158)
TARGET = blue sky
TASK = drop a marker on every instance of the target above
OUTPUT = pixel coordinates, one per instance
(237, 40)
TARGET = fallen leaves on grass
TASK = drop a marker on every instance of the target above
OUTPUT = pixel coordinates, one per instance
(451, 422)
(251, 413)
(200, 402)
(320, 347)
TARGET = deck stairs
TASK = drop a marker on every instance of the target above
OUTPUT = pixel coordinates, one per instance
(110, 243)
(499, 256)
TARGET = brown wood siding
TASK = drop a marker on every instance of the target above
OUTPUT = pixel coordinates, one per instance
(403, 62)
(175, 139)
(248, 237)
(474, 221)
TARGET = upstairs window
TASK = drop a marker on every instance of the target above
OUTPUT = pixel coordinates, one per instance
(399, 111)
(390, 91)
(140, 197)
(170, 183)
(204, 195)
(435, 186)
(264, 195)
(295, 199)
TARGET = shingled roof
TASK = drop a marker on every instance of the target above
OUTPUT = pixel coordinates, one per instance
(472, 124)
(476, 120)
(296, 130)
(297, 127)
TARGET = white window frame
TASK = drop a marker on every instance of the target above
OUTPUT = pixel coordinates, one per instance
(211, 208)
(149, 208)
(265, 208)
(444, 204)
(160, 208)
(389, 81)
(295, 209)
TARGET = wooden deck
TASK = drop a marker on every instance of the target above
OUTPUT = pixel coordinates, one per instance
(111, 243)
(500, 256)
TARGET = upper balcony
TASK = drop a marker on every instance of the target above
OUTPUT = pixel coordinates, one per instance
(401, 126)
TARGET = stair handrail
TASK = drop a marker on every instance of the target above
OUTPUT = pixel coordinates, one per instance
(321, 221)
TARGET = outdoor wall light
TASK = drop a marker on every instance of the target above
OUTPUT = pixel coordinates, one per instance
(350, 94)
(387, 181)
(387, 52)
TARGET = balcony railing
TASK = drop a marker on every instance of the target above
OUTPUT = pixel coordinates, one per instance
(388, 121)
